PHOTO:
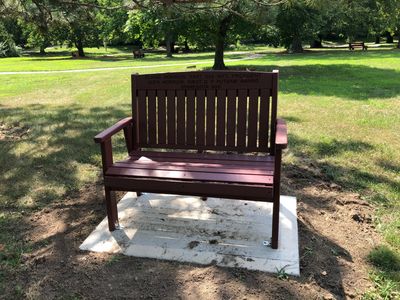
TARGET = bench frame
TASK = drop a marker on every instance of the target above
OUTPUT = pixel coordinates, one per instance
(131, 128)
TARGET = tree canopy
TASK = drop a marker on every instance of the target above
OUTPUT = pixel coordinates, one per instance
(195, 24)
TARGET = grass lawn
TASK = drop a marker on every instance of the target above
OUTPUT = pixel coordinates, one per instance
(342, 108)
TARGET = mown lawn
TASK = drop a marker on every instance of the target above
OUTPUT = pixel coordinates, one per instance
(342, 108)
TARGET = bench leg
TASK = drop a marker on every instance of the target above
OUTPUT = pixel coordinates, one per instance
(276, 204)
(275, 224)
(138, 194)
(204, 198)
(112, 212)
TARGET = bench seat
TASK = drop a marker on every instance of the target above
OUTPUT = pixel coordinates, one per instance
(195, 171)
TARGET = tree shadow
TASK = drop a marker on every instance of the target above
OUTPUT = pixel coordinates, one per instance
(58, 141)
(129, 58)
(313, 167)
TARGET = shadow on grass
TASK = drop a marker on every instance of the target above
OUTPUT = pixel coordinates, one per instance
(314, 167)
(129, 58)
(330, 54)
(354, 82)
(58, 142)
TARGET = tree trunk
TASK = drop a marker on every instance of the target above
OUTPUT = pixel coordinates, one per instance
(220, 43)
(42, 49)
(378, 39)
(316, 44)
(79, 46)
(186, 45)
(296, 46)
(169, 44)
(389, 38)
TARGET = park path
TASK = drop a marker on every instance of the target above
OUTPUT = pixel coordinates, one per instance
(253, 56)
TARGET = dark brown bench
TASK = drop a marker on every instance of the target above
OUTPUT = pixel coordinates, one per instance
(138, 53)
(361, 45)
(211, 123)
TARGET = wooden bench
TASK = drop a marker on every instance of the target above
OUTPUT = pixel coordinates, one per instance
(138, 53)
(361, 45)
(211, 123)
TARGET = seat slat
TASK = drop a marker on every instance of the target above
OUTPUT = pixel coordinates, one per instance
(203, 156)
(190, 117)
(265, 166)
(231, 118)
(200, 117)
(152, 124)
(161, 117)
(195, 167)
(188, 175)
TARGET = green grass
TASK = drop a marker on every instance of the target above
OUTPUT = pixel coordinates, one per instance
(342, 110)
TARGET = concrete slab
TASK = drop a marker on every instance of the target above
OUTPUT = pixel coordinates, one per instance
(225, 232)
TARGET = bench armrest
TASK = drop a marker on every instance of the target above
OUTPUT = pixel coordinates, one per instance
(281, 138)
(109, 132)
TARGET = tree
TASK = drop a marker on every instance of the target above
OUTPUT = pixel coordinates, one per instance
(81, 23)
(112, 22)
(7, 45)
(297, 21)
(37, 20)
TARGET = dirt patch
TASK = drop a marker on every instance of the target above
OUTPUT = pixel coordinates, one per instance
(333, 248)
(12, 132)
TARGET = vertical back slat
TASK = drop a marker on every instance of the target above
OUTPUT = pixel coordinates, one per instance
(190, 117)
(135, 112)
(274, 108)
(242, 118)
(181, 122)
(161, 117)
(210, 135)
(264, 119)
(200, 117)
(151, 111)
(221, 110)
(171, 117)
(142, 104)
(231, 118)
(253, 118)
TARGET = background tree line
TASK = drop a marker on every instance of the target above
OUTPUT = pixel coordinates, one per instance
(193, 25)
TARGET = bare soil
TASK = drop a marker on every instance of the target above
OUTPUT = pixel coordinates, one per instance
(336, 233)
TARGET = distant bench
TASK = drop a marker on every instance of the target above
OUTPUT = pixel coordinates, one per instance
(360, 45)
(138, 53)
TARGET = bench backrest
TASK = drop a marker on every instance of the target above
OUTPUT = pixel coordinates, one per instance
(207, 110)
